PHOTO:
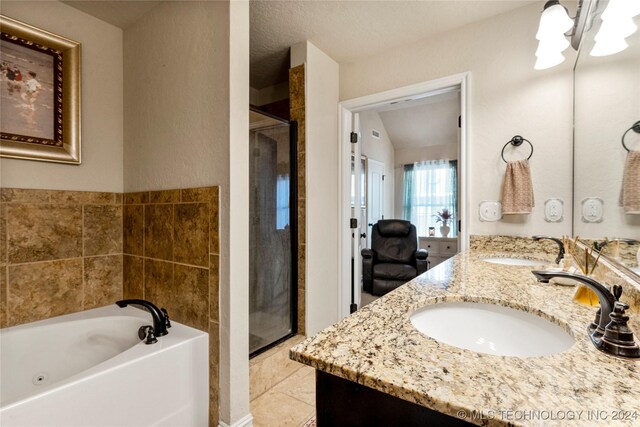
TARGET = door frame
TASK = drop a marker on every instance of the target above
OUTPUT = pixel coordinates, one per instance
(346, 109)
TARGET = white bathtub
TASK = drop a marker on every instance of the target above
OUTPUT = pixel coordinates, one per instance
(91, 369)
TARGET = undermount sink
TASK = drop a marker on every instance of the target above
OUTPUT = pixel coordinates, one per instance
(516, 261)
(491, 329)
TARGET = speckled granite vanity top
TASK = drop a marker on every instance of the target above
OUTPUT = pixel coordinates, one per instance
(378, 347)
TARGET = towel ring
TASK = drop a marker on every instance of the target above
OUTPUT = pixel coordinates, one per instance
(635, 128)
(517, 141)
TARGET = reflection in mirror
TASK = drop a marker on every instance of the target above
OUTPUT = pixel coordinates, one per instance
(607, 105)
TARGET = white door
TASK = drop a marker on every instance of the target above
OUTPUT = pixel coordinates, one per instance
(375, 194)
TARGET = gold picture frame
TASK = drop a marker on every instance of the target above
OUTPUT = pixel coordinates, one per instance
(40, 88)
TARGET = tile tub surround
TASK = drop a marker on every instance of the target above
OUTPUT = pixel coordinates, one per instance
(379, 348)
(171, 257)
(60, 252)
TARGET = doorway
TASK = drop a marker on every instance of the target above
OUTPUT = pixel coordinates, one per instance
(351, 119)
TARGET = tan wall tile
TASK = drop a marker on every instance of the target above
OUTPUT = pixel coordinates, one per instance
(133, 230)
(158, 282)
(102, 230)
(118, 198)
(201, 194)
(3, 297)
(302, 186)
(82, 197)
(214, 372)
(191, 233)
(158, 231)
(43, 290)
(164, 196)
(136, 198)
(188, 299)
(20, 195)
(102, 281)
(214, 287)
(296, 87)
(214, 239)
(302, 221)
(133, 277)
(43, 232)
(3, 234)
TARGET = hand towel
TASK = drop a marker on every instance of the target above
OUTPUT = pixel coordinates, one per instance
(630, 193)
(517, 188)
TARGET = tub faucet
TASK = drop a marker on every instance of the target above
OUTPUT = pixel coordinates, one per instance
(609, 331)
(558, 241)
(160, 321)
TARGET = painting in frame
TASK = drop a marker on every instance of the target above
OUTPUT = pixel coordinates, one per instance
(39, 94)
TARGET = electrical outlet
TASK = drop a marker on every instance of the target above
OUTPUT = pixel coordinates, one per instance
(490, 211)
(553, 210)
(592, 209)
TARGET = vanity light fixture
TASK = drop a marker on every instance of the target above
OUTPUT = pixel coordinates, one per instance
(554, 23)
(617, 24)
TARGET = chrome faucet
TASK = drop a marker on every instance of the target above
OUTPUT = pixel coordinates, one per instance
(609, 331)
(558, 241)
(160, 317)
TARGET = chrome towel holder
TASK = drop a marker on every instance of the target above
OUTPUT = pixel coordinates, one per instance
(636, 128)
(517, 141)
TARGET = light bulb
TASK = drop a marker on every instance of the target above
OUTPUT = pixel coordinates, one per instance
(554, 21)
(608, 46)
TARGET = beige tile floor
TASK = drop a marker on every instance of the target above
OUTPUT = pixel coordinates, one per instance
(282, 391)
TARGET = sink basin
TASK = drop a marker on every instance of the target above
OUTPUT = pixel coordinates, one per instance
(491, 329)
(516, 261)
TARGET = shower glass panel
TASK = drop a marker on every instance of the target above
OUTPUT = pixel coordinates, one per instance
(273, 231)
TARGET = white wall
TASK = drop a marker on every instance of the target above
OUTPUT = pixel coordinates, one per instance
(407, 156)
(507, 97)
(381, 150)
(102, 103)
(321, 86)
(188, 126)
(168, 143)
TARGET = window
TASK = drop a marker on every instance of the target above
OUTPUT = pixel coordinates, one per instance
(430, 187)
(282, 202)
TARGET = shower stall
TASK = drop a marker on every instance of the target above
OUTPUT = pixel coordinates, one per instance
(273, 231)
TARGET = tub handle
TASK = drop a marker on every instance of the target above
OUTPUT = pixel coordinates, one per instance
(147, 333)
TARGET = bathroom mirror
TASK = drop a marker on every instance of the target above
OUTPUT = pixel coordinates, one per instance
(607, 104)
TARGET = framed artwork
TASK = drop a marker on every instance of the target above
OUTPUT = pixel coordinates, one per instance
(39, 93)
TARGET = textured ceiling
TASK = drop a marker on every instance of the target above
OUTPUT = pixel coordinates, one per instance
(348, 30)
(423, 122)
(119, 13)
(344, 29)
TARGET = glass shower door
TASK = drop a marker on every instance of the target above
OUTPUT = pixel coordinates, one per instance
(272, 239)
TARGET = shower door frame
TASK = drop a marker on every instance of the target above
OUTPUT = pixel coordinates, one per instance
(293, 225)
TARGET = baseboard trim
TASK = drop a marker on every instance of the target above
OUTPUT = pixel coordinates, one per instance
(246, 421)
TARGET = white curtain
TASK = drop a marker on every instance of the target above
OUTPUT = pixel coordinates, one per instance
(430, 187)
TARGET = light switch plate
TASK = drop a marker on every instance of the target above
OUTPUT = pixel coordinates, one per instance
(490, 211)
(553, 210)
(592, 209)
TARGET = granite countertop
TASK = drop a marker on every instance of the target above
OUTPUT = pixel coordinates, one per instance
(378, 347)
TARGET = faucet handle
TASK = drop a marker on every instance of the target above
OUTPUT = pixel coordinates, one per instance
(167, 322)
(618, 338)
(147, 333)
(617, 292)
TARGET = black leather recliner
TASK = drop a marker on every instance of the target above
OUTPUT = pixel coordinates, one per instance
(394, 257)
